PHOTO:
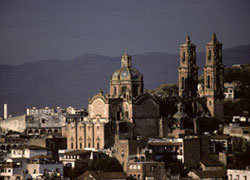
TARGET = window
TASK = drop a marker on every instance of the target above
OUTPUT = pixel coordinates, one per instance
(115, 91)
(124, 89)
(98, 145)
(118, 115)
(182, 82)
(209, 55)
(43, 120)
(126, 114)
(245, 177)
(208, 81)
(183, 57)
(80, 145)
(151, 168)
(89, 145)
(72, 145)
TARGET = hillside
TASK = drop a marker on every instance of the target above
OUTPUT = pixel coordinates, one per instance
(71, 82)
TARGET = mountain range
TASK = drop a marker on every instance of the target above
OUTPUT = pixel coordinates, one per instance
(64, 83)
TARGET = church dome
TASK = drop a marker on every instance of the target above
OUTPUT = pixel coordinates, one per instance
(126, 73)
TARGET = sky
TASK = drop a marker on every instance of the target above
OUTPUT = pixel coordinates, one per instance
(32, 30)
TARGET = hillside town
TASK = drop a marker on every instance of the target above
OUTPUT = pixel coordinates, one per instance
(129, 133)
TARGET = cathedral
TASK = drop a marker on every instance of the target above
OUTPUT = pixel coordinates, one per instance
(127, 112)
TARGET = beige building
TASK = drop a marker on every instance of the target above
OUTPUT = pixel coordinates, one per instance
(146, 170)
(213, 86)
(188, 70)
(236, 174)
(214, 78)
(122, 111)
(125, 150)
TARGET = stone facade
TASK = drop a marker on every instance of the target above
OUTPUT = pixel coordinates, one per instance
(146, 170)
(85, 134)
(214, 78)
(126, 149)
(188, 71)
(122, 112)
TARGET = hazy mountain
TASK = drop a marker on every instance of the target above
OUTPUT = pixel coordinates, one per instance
(71, 82)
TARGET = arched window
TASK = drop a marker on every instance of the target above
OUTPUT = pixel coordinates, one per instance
(115, 91)
(182, 83)
(124, 89)
(183, 57)
(209, 55)
(208, 81)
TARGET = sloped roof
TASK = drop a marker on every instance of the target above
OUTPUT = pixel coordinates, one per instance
(211, 162)
(211, 174)
(102, 175)
(30, 147)
(77, 152)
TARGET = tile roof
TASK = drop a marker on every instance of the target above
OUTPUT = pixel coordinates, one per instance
(77, 152)
(211, 174)
(211, 162)
(102, 175)
(221, 137)
(30, 147)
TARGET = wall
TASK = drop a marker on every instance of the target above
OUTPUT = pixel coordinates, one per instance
(17, 123)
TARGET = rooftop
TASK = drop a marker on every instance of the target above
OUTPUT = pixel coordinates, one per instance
(30, 147)
(77, 152)
(211, 174)
(102, 175)
(211, 162)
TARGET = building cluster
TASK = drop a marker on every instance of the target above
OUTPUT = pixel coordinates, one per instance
(152, 137)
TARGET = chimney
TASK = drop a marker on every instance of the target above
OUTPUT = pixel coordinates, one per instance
(27, 111)
(5, 111)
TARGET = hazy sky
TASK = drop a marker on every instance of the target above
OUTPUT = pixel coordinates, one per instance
(42, 29)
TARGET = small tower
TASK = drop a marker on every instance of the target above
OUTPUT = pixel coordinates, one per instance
(188, 71)
(127, 81)
(214, 78)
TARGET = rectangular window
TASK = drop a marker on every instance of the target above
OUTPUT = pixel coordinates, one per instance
(209, 55)
(72, 145)
(208, 81)
(183, 57)
(98, 146)
(89, 145)
(80, 145)
(182, 83)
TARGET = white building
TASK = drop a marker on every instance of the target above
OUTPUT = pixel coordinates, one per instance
(27, 151)
(39, 165)
(17, 123)
(229, 90)
(235, 174)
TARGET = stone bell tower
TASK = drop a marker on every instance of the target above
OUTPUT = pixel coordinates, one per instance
(214, 78)
(188, 71)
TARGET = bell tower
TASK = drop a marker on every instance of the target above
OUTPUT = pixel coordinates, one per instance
(188, 71)
(214, 78)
